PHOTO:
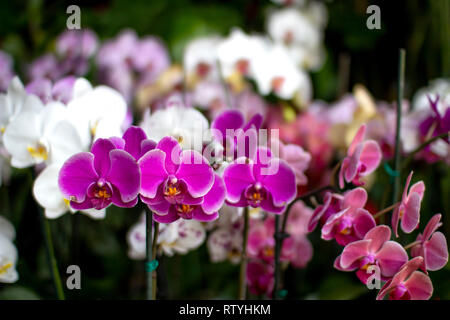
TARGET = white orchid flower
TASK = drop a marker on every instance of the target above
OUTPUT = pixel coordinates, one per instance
(8, 252)
(179, 237)
(96, 112)
(14, 102)
(200, 59)
(237, 52)
(46, 135)
(189, 126)
(275, 71)
(47, 193)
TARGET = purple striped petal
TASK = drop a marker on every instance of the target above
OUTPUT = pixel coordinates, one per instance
(75, 176)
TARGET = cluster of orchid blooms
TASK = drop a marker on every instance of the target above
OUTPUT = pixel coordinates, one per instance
(199, 178)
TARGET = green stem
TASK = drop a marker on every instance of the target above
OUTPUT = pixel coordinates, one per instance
(302, 197)
(382, 212)
(400, 89)
(421, 147)
(243, 269)
(412, 244)
(51, 256)
(149, 254)
(154, 252)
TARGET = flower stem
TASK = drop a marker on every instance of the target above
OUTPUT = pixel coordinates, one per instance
(149, 254)
(302, 197)
(278, 241)
(154, 252)
(51, 256)
(385, 210)
(421, 147)
(243, 270)
(400, 89)
(412, 244)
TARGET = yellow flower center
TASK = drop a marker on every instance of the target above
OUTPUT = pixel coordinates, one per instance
(2, 129)
(171, 191)
(4, 268)
(345, 231)
(39, 152)
(102, 193)
(268, 252)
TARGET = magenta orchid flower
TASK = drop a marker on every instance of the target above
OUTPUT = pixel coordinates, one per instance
(408, 283)
(363, 157)
(98, 178)
(238, 138)
(408, 211)
(375, 249)
(438, 123)
(265, 182)
(352, 222)
(432, 246)
(260, 278)
(179, 184)
(334, 203)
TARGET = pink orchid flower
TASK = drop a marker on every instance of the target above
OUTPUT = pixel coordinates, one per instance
(408, 283)
(432, 246)
(334, 203)
(363, 157)
(260, 278)
(408, 211)
(375, 249)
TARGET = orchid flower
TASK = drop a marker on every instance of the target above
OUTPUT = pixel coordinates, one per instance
(351, 223)
(8, 252)
(375, 249)
(46, 135)
(295, 156)
(408, 211)
(225, 241)
(47, 193)
(265, 182)
(177, 183)
(432, 246)
(363, 157)
(260, 277)
(408, 283)
(200, 60)
(185, 124)
(98, 178)
(179, 237)
(14, 102)
(334, 203)
(238, 138)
